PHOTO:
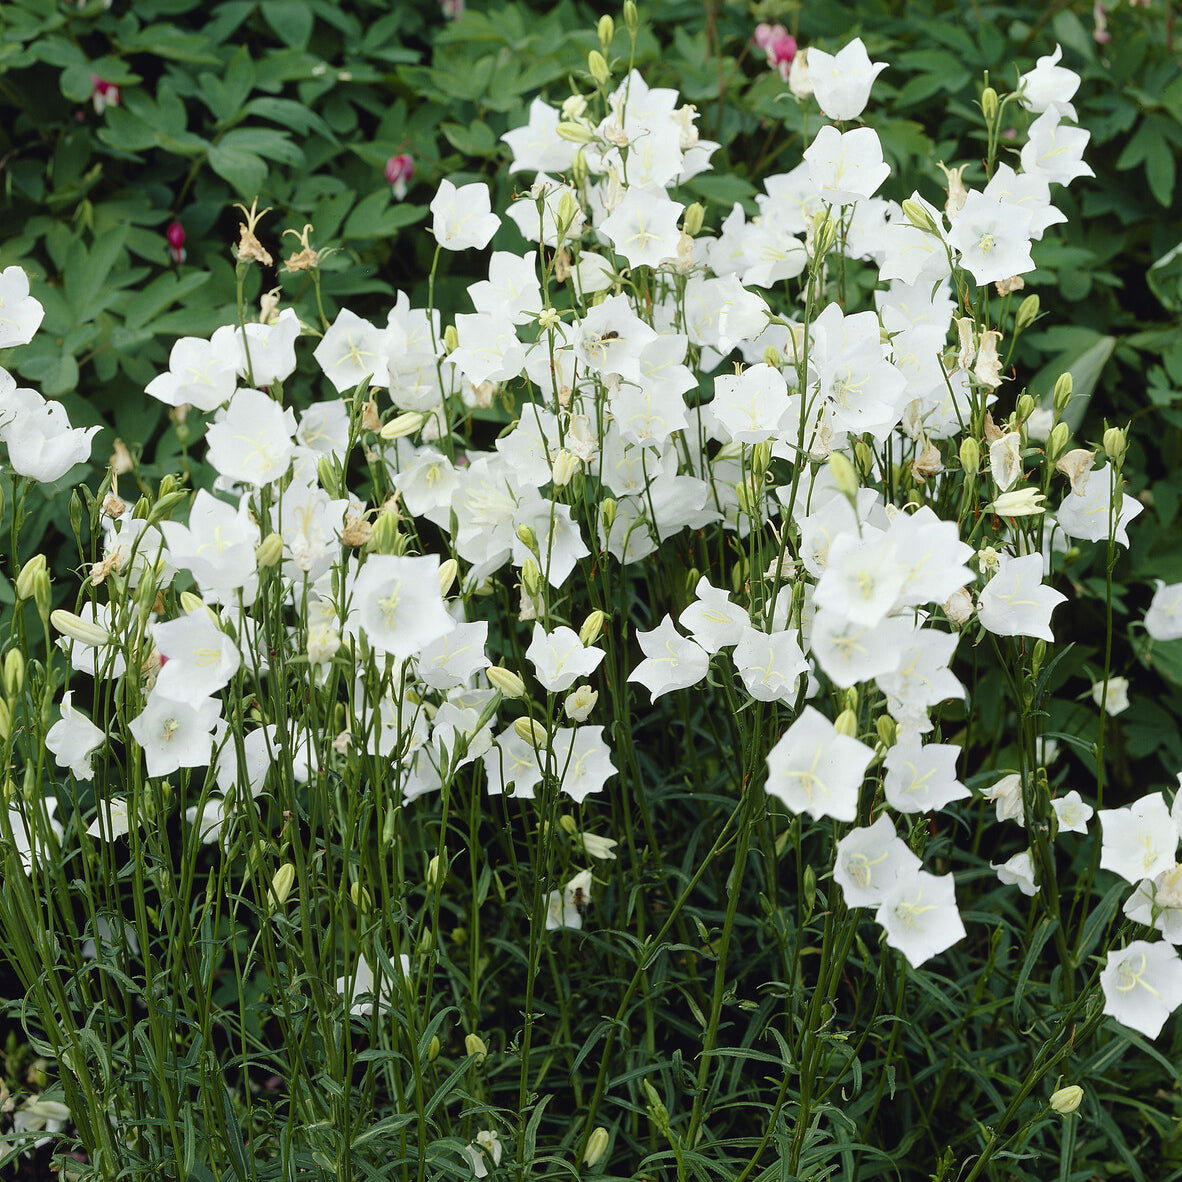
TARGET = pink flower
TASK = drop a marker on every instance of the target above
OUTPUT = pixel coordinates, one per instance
(399, 170)
(778, 44)
(1100, 16)
(452, 9)
(103, 94)
(176, 241)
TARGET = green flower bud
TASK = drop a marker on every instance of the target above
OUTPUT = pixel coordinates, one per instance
(527, 537)
(405, 424)
(530, 731)
(887, 729)
(1025, 407)
(1062, 394)
(989, 104)
(269, 551)
(918, 216)
(1066, 1100)
(607, 511)
(14, 672)
(281, 886)
(691, 223)
(598, 69)
(771, 356)
(574, 132)
(476, 1047)
(596, 1146)
(451, 338)
(1115, 444)
(1027, 313)
(505, 680)
(847, 724)
(448, 569)
(1057, 441)
(433, 1048)
(631, 16)
(592, 628)
(606, 31)
(845, 479)
(5, 721)
(970, 456)
(26, 579)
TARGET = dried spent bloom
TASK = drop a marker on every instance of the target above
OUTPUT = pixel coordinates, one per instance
(305, 258)
(250, 249)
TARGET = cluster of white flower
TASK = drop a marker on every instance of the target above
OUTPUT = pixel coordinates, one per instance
(621, 312)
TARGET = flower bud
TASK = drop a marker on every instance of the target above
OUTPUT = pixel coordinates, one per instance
(433, 1048)
(1066, 1100)
(362, 899)
(5, 721)
(596, 1146)
(824, 233)
(970, 456)
(1062, 394)
(475, 1046)
(14, 672)
(435, 873)
(386, 535)
(527, 537)
(575, 133)
(919, 217)
(1018, 502)
(76, 628)
(505, 680)
(578, 169)
(845, 479)
(606, 31)
(281, 885)
(1057, 441)
(26, 580)
(771, 357)
(1027, 313)
(327, 476)
(1115, 444)
(566, 464)
(1025, 407)
(691, 222)
(592, 628)
(448, 569)
(565, 214)
(847, 724)
(405, 424)
(269, 551)
(761, 458)
(887, 729)
(631, 16)
(989, 104)
(451, 338)
(531, 577)
(530, 731)
(607, 512)
(597, 67)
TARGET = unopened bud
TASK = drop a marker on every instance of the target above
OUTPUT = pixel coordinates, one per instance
(887, 729)
(191, 603)
(748, 499)
(405, 424)
(76, 628)
(574, 132)
(362, 899)
(772, 358)
(26, 580)
(1038, 654)
(14, 672)
(505, 680)
(847, 724)
(845, 479)
(565, 214)
(596, 1146)
(434, 875)
(1057, 441)
(631, 16)
(328, 477)
(269, 551)
(970, 456)
(824, 233)
(693, 218)
(1025, 407)
(531, 577)
(566, 464)
(529, 730)
(475, 1046)
(5, 722)
(1027, 313)
(578, 169)
(607, 512)
(606, 31)
(281, 885)
(864, 458)
(1066, 1100)
(989, 104)
(1062, 394)
(1115, 444)
(592, 628)
(451, 339)
(919, 217)
(386, 535)
(433, 1048)
(597, 67)
(761, 458)
(527, 537)
(448, 569)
